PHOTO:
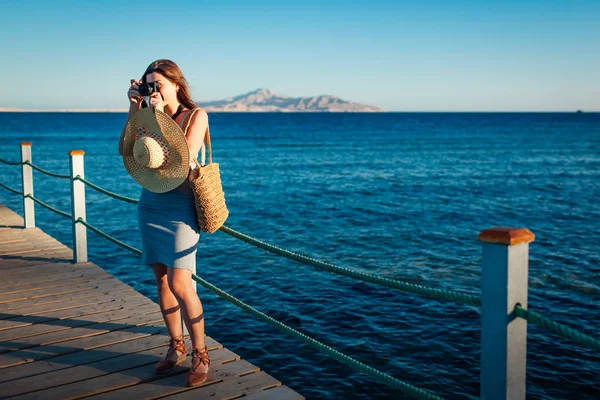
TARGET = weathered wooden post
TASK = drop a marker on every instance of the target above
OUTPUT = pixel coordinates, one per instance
(78, 206)
(503, 335)
(27, 181)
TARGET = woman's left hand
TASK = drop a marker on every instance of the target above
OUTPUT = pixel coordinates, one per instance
(156, 101)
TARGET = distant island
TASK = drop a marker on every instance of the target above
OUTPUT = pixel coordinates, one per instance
(264, 100)
(259, 100)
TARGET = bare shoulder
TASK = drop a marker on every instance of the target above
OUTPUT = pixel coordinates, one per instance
(198, 122)
(200, 117)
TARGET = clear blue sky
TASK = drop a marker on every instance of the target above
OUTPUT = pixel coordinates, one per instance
(405, 56)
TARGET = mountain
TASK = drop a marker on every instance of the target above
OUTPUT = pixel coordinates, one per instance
(261, 100)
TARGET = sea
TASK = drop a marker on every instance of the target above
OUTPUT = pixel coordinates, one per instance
(399, 195)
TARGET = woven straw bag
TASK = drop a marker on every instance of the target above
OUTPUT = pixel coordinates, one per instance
(205, 182)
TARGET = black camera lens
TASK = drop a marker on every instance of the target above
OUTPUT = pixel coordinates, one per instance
(145, 89)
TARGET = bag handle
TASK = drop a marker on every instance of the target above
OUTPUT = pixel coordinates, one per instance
(186, 125)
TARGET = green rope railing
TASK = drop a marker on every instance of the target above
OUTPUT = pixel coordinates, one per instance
(432, 293)
(10, 189)
(112, 239)
(440, 294)
(47, 172)
(560, 329)
(106, 192)
(321, 347)
(10, 162)
(49, 207)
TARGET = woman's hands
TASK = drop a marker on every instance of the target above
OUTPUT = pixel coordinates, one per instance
(134, 96)
(156, 102)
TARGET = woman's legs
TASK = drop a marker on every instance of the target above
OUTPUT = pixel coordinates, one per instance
(178, 299)
(180, 282)
(167, 301)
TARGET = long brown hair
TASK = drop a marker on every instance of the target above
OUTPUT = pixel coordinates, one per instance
(171, 71)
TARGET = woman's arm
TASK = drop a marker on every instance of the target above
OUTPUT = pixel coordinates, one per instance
(196, 131)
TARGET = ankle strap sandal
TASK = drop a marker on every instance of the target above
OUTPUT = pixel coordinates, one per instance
(199, 356)
(177, 343)
(168, 364)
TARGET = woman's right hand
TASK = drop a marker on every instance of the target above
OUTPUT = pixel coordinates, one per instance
(133, 94)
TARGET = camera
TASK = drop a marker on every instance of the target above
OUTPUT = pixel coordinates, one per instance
(146, 89)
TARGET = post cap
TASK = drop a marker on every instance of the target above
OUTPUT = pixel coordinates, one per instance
(25, 143)
(506, 235)
(76, 152)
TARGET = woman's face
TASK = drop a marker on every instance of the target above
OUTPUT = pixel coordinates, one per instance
(168, 89)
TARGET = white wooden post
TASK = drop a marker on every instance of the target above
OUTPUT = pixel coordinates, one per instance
(27, 181)
(78, 206)
(503, 336)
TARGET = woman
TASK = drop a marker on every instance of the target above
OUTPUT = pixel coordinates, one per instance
(168, 227)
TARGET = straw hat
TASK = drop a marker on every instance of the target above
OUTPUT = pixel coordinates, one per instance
(155, 152)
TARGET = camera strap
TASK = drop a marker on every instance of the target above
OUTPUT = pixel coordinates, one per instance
(179, 110)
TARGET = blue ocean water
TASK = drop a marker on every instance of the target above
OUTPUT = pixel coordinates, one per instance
(402, 195)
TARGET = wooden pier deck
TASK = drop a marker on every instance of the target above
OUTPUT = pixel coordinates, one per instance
(69, 331)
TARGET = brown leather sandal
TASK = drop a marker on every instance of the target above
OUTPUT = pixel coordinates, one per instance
(194, 377)
(176, 345)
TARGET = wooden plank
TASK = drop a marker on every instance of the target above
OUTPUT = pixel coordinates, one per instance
(35, 278)
(77, 331)
(16, 228)
(218, 373)
(26, 280)
(62, 330)
(44, 268)
(276, 393)
(41, 255)
(21, 232)
(26, 321)
(29, 248)
(134, 345)
(125, 329)
(233, 387)
(174, 382)
(104, 352)
(59, 273)
(9, 217)
(24, 233)
(146, 358)
(132, 377)
(8, 239)
(72, 280)
(11, 239)
(46, 255)
(59, 249)
(55, 247)
(32, 294)
(101, 289)
(34, 243)
(50, 257)
(44, 308)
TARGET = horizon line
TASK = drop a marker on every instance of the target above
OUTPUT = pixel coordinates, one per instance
(126, 110)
